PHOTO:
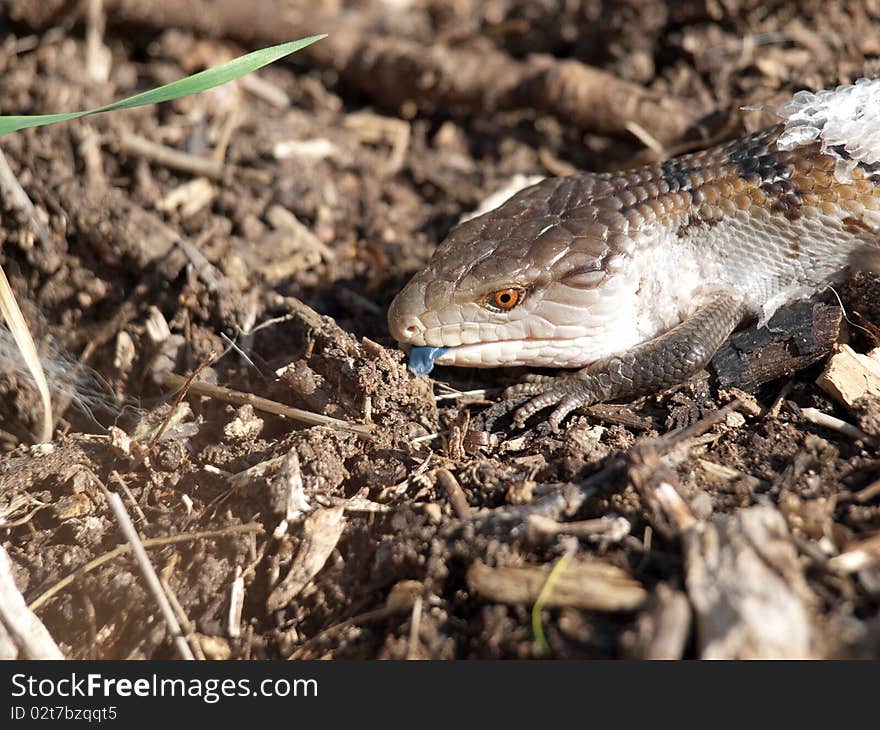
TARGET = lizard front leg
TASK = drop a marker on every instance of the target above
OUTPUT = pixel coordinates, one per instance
(666, 360)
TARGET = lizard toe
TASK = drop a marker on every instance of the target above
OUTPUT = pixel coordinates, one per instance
(566, 395)
(573, 400)
(521, 389)
(545, 399)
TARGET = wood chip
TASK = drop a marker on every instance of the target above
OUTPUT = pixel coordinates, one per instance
(663, 628)
(747, 588)
(861, 555)
(586, 584)
(300, 236)
(851, 375)
(321, 531)
(189, 198)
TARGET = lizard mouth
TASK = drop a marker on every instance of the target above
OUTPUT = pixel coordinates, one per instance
(558, 353)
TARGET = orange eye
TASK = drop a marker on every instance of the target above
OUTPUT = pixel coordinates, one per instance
(505, 299)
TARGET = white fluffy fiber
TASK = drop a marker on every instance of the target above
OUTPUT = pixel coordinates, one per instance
(65, 376)
(847, 117)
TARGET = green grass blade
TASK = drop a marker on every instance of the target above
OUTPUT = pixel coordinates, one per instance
(201, 81)
(552, 578)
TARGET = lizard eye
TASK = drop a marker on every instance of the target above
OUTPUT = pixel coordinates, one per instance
(504, 300)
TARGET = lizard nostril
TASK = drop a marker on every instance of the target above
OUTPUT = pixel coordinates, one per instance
(406, 329)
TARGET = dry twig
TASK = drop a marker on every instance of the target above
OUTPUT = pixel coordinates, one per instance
(21, 334)
(456, 494)
(22, 635)
(239, 398)
(133, 144)
(149, 574)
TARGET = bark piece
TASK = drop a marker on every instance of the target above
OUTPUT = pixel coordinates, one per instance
(747, 588)
(663, 628)
(797, 336)
(586, 584)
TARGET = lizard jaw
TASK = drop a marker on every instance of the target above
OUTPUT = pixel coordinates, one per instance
(556, 353)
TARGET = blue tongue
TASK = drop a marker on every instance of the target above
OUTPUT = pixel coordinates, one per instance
(421, 359)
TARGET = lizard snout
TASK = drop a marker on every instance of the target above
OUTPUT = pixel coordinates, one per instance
(403, 316)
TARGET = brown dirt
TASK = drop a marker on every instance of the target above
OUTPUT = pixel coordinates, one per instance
(378, 536)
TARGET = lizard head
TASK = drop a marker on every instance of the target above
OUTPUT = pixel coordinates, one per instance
(530, 283)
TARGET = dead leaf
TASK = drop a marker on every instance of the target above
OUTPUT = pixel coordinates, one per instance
(321, 531)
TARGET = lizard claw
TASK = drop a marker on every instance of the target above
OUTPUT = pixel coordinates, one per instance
(565, 393)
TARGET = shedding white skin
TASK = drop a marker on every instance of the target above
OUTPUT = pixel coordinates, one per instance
(847, 117)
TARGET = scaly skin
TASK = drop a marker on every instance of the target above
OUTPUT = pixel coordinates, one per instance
(636, 278)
